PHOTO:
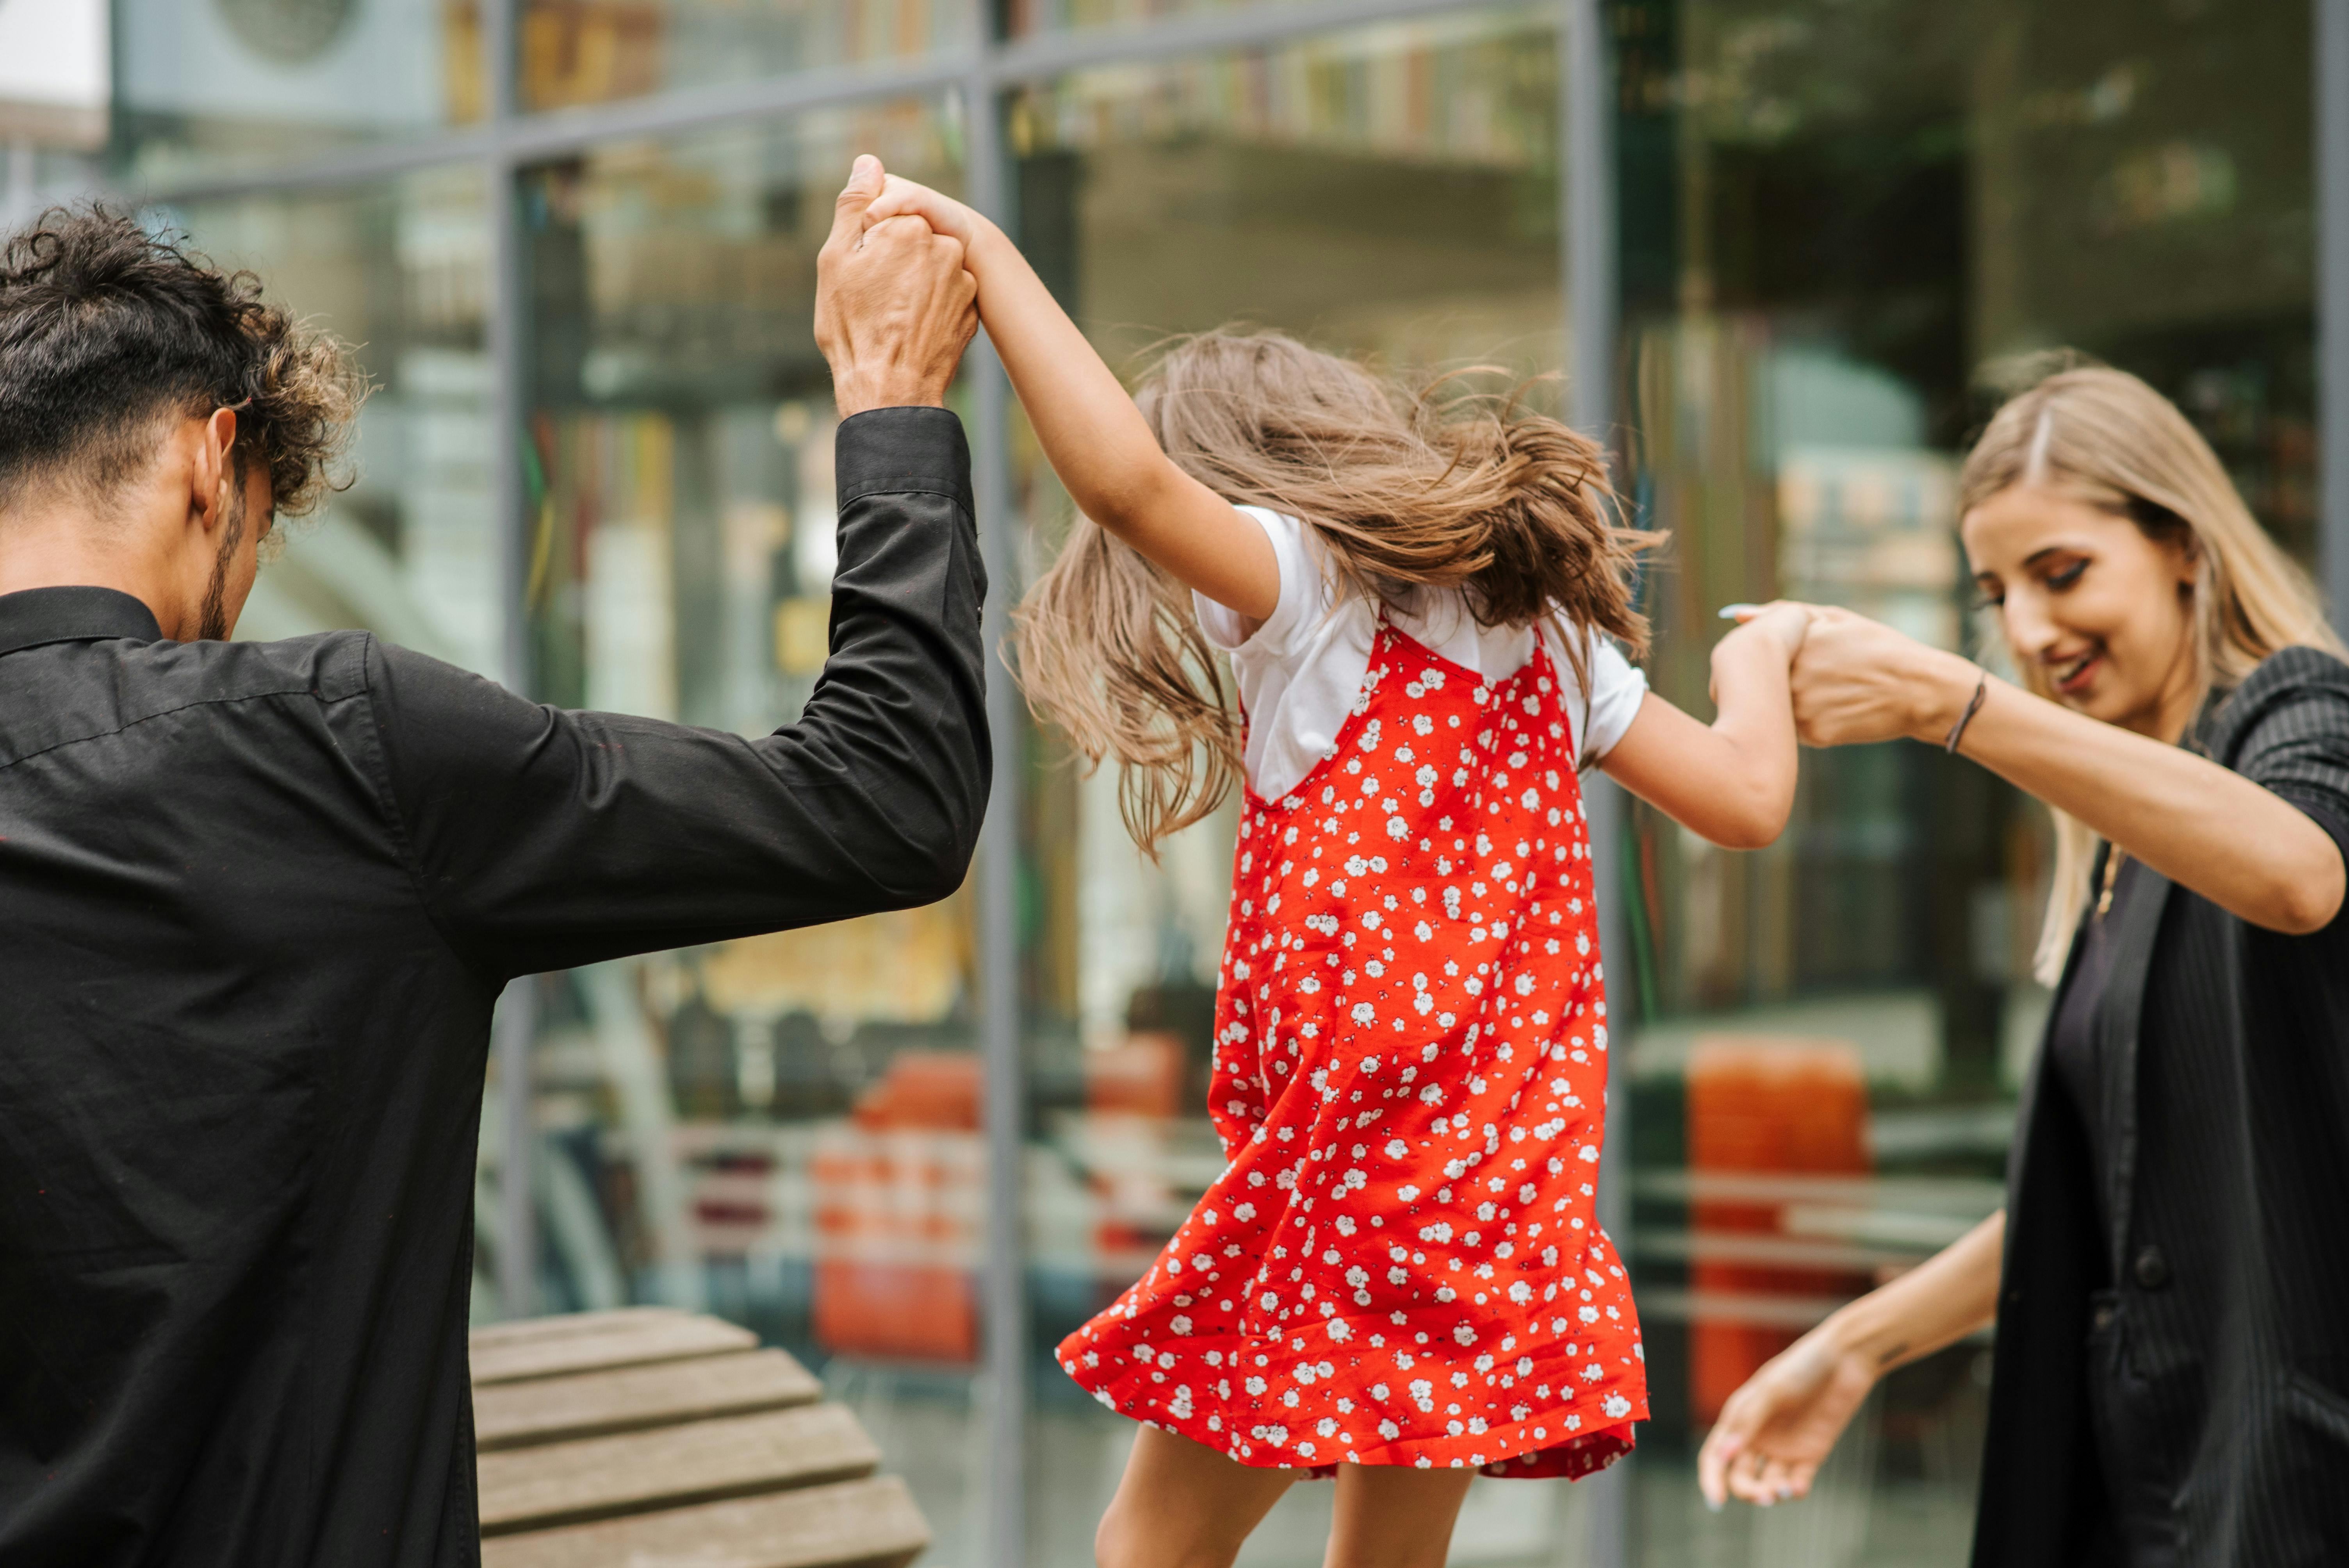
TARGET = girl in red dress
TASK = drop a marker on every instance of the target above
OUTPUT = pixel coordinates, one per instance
(1399, 1279)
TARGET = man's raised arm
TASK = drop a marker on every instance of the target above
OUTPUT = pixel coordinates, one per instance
(544, 838)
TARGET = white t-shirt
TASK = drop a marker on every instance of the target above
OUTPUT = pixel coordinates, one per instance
(1302, 672)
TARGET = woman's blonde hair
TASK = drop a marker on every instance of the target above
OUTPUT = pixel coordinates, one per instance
(2104, 436)
(1436, 487)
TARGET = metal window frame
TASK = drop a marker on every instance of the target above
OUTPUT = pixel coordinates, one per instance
(983, 71)
(1587, 254)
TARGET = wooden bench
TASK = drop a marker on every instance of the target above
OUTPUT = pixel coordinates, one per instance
(650, 1436)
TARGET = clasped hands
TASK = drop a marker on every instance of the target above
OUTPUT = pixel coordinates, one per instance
(894, 306)
(1856, 681)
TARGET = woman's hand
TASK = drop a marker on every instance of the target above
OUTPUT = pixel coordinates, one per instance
(1857, 680)
(1780, 1426)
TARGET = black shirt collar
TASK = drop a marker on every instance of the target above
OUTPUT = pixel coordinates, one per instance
(37, 615)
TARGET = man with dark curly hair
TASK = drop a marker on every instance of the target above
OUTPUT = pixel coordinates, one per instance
(257, 900)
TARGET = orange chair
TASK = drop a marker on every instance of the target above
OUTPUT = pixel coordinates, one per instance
(897, 1216)
(1763, 1105)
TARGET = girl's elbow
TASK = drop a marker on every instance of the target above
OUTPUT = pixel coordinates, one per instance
(1734, 824)
(1755, 822)
(1756, 830)
(1121, 502)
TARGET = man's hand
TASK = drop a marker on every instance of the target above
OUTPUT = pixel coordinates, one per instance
(894, 306)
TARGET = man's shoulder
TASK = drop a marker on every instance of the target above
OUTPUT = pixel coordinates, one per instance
(334, 666)
(329, 665)
(81, 691)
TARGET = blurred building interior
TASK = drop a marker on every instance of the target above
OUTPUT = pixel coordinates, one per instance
(1807, 243)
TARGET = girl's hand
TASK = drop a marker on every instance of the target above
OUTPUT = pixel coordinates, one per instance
(1779, 626)
(1786, 622)
(1732, 781)
(1778, 1429)
(1095, 438)
(903, 197)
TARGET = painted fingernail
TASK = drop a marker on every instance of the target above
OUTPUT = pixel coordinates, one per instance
(1712, 1504)
(1731, 612)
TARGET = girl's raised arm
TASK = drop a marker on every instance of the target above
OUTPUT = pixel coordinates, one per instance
(1095, 438)
(1732, 781)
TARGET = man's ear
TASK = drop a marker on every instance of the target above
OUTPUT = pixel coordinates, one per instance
(213, 471)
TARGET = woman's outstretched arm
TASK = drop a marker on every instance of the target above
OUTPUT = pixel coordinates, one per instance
(1779, 1426)
(2242, 846)
(1090, 429)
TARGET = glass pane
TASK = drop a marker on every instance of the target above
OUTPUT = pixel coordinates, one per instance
(783, 1129)
(1389, 193)
(1841, 225)
(400, 271)
(199, 87)
(1022, 18)
(598, 51)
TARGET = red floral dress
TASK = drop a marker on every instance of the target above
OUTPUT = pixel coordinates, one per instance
(1401, 1263)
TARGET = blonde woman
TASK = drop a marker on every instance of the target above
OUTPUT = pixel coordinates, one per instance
(2168, 1279)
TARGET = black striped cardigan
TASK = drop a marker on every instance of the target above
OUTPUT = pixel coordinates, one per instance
(2220, 1257)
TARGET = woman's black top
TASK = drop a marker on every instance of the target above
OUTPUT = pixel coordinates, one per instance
(2172, 1361)
(2072, 1048)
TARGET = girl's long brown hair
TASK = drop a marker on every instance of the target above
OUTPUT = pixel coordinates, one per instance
(1435, 487)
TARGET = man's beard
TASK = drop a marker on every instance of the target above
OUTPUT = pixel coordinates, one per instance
(212, 621)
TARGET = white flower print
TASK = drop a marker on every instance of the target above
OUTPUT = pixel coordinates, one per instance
(1477, 1090)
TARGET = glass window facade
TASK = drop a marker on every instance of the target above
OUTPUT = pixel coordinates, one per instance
(1844, 229)
(783, 1129)
(600, 51)
(598, 463)
(206, 86)
(1392, 192)
(410, 550)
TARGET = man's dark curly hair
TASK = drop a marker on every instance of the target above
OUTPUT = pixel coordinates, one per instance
(106, 330)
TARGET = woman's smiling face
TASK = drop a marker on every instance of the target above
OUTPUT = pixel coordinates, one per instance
(2102, 612)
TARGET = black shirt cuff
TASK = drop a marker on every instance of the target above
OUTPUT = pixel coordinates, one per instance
(884, 450)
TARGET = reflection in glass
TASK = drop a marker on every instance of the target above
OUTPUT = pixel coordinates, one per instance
(599, 51)
(1845, 229)
(200, 87)
(1024, 16)
(782, 1130)
(1390, 194)
(401, 272)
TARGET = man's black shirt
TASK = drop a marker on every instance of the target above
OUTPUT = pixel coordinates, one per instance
(257, 903)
